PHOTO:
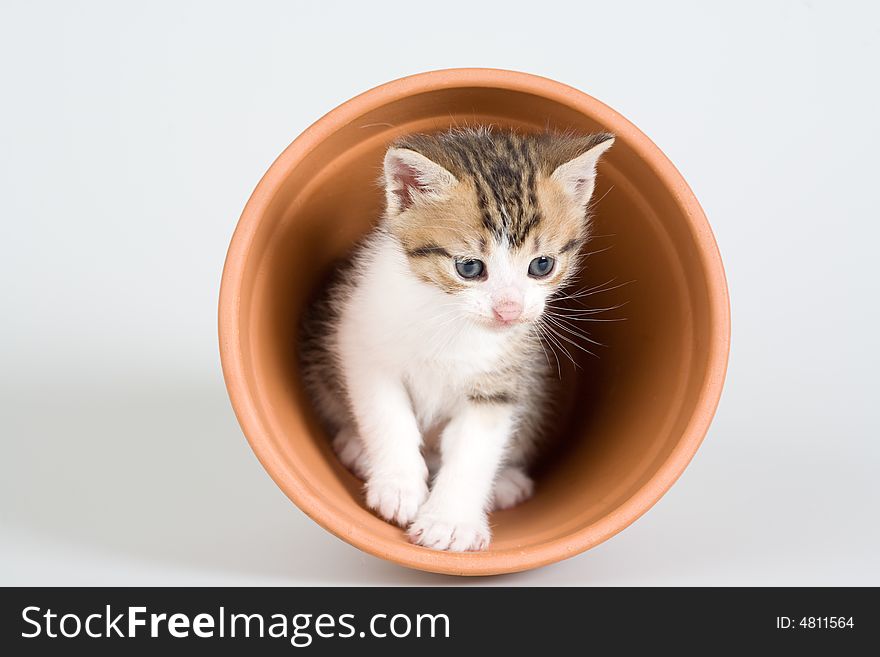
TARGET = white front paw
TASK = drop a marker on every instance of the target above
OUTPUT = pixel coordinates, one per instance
(446, 532)
(350, 450)
(396, 498)
(512, 486)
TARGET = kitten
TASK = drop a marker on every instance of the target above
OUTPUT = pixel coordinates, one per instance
(427, 351)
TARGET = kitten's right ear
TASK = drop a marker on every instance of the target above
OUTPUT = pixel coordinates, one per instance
(410, 177)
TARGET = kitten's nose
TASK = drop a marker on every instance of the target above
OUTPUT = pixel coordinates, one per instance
(507, 306)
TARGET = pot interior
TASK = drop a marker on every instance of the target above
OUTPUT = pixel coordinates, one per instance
(622, 411)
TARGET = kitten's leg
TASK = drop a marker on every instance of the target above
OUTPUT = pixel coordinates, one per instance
(512, 486)
(472, 447)
(350, 450)
(431, 449)
(397, 476)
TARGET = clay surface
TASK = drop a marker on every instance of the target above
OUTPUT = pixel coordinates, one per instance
(632, 418)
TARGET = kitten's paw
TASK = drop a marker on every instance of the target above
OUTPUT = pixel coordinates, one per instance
(439, 532)
(350, 450)
(512, 486)
(396, 499)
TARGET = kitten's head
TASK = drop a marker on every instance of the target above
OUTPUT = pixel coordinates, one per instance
(494, 219)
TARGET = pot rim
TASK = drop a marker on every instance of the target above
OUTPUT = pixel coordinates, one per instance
(486, 563)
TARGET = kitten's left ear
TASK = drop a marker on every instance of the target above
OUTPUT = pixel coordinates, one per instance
(578, 176)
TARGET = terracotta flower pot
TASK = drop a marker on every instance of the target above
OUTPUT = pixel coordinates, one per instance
(634, 416)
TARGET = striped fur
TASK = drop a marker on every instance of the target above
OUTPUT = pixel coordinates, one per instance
(504, 169)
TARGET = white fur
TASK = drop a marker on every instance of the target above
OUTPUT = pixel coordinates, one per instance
(407, 347)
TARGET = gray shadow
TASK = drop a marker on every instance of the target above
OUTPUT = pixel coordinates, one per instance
(163, 474)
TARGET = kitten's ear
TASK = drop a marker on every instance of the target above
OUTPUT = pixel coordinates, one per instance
(578, 176)
(410, 176)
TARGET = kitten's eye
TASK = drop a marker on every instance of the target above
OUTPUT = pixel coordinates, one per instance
(469, 268)
(541, 266)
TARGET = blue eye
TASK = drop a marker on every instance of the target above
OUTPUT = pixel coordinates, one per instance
(541, 266)
(469, 268)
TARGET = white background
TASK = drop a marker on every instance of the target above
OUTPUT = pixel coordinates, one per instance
(133, 133)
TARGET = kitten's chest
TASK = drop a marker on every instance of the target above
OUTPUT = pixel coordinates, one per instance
(439, 381)
(435, 391)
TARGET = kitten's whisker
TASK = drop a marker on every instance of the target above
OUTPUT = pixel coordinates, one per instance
(561, 324)
(444, 319)
(553, 336)
(572, 329)
(447, 314)
(585, 315)
(572, 342)
(460, 323)
(589, 293)
(450, 336)
(587, 254)
(562, 294)
(579, 312)
(594, 319)
(534, 328)
(542, 333)
(565, 351)
(597, 289)
(593, 205)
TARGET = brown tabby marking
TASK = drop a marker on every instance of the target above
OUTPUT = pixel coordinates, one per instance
(505, 199)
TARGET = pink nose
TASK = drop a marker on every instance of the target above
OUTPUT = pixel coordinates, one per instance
(507, 311)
